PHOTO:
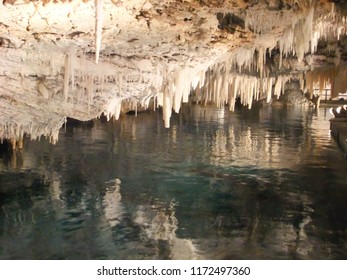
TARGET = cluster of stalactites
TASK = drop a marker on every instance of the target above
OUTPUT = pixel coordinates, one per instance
(111, 87)
(320, 78)
(170, 87)
(221, 86)
(304, 35)
(333, 78)
(175, 90)
(331, 24)
(261, 20)
(300, 37)
(80, 82)
(16, 132)
(295, 40)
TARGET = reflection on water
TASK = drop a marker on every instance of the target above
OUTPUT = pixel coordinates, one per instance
(112, 203)
(260, 184)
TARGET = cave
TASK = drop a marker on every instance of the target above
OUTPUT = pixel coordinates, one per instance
(139, 113)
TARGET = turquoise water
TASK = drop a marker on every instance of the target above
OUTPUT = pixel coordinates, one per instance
(254, 184)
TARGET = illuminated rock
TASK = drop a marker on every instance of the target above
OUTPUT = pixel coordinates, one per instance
(82, 59)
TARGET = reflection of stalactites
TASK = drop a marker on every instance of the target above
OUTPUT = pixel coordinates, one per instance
(16, 153)
(174, 134)
(113, 208)
(219, 149)
(160, 224)
(55, 194)
(183, 249)
(55, 187)
(304, 219)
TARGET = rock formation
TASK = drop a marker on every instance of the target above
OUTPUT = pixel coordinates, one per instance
(81, 59)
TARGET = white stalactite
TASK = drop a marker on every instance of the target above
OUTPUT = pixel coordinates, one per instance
(67, 70)
(92, 88)
(167, 109)
(99, 14)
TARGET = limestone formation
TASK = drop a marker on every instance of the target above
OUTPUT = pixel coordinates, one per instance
(81, 59)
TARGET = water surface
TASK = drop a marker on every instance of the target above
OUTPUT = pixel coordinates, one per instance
(254, 184)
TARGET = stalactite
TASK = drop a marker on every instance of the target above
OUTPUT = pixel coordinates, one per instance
(322, 78)
(114, 108)
(222, 85)
(90, 90)
(319, 78)
(269, 89)
(302, 34)
(181, 88)
(91, 86)
(167, 109)
(67, 71)
(17, 132)
(99, 13)
(72, 71)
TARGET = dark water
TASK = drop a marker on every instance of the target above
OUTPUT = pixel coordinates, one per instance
(260, 184)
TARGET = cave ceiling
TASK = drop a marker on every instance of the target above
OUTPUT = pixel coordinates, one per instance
(82, 59)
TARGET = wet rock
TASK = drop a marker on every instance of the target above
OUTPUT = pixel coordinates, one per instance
(293, 95)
